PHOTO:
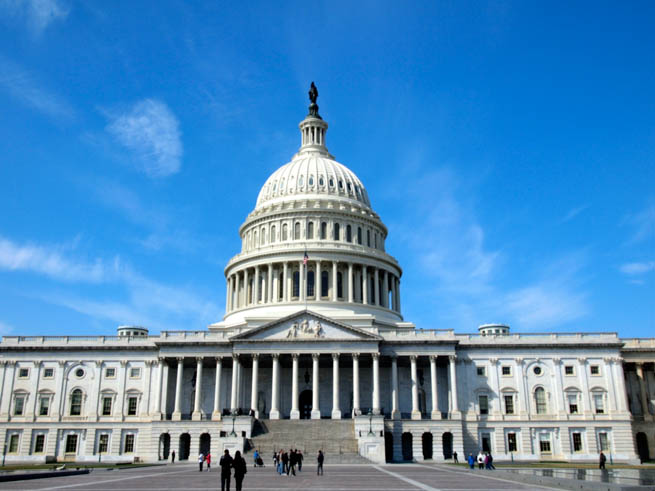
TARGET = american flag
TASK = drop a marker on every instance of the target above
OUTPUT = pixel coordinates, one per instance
(305, 259)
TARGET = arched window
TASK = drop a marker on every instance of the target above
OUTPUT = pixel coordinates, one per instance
(76, 403)
(368, 238)
(540, 400)
(323, 230)
(336, 232)
(324, 283)
(310, 283)
(254, 236)
(349, 233)
(359, 235)
(249, 241)
(296, 284)
(339, 285)
(263, 236)
(272, 233)
(310, 230)
(296, 231)
(284, 231)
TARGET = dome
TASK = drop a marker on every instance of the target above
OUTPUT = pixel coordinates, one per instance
(312, 176)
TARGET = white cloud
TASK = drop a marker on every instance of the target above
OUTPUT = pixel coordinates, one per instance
(637, 268)
(23, 86)
(39, 14)
(151, 131)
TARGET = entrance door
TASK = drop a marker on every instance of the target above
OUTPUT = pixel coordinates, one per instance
(486, 442)
(305, 404)
(642, 447)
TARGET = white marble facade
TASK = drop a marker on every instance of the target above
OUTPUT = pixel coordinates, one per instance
(314, 329)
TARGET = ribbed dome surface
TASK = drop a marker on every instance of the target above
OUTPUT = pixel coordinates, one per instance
(312, 176)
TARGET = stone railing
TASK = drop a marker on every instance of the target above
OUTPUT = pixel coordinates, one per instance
(529, 338)
(638, 343)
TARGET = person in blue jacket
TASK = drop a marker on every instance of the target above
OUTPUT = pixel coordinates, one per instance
(471, 461)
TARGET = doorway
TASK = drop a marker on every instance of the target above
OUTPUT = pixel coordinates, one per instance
(447, 445)
(305, 404)
(642, 447)
(164, 446)
(185, 447)
(205, 443)
(407, 443)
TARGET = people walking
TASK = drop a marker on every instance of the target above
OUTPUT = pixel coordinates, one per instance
(201, 460)
(320, 459)
(173, 457)
(280, 464)
(471, 461)
(255, 457)
(240, 469)
(601, 461)
(292, 462)
(455, 458)
(285, 462)
(208, 459)
(226, 470)
(299, 457)
(480, 460)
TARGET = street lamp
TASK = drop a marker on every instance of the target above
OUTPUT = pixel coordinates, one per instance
(233, 420)
(370, 423)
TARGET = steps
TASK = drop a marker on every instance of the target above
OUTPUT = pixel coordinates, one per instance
(335, 437)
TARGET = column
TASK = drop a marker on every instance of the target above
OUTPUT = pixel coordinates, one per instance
(385, 289)
(37, 369)
(436, 414)
(160, 384)
(275, 394)
(416, 413)
(393, 293)
(217, 412)
(256, 286)
(234, 403)
(453, 384)
(317, 287)
(276, 286)
(254, 390)
(246, 300)
(356, 409)
(336, 411)
(395, 413)
(642, 391)
(227, 294)
(398, 294)
(364, 286)
(237, 304)
(302, 288)
(316, 410)
(295, 414)
(197, 415)
(269, 284)
(351, 289)
(376, 286)
(177, 413)
(621, 392)
(334, 282)
(285, 283)
(164, 392)
(376, 383)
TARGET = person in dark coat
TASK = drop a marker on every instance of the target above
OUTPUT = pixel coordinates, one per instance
(285, 463)
(320, 459)
(226, 470)
(299, 457)
(601, 461)
(240, 470)
(455, 458)
(173, 457)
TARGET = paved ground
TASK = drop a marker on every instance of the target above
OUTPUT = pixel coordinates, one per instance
(185, 477)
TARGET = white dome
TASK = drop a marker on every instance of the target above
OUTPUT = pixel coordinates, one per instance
(312, 176)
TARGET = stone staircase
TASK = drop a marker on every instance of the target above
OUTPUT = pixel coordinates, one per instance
(335, 437)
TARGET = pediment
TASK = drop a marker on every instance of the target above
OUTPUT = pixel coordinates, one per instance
(305, 326)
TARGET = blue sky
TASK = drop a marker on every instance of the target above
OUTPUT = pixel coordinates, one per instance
(508, 146)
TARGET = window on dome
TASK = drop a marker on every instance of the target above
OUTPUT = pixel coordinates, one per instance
(296, 284)
(359, 235)
(376, 241)
(340, 184)
(301, 181)
(331, 182)
(296, 231)
(323, 230)
(310, 230)
(350, 188)
(311, 180)
(337, 232)
(284, 231)
(357, 190)
(272, 233)
(321, 181)
(324, 283)
(349, 233)
(339, 285)
(263, 236)
(310, 283)
(275, 186)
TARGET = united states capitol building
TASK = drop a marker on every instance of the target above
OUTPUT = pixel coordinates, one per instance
(314, 348)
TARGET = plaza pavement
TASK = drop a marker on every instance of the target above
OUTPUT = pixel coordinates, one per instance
(356, 477)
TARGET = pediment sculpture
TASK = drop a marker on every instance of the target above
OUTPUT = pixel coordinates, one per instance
(307, 329)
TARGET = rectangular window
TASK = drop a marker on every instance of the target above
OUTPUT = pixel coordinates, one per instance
(511, 442)
(481, 371)
(544, 443)
(23, 372)
(39, 443)
(599, 404)
(13, 443)
(129, 444)
(48, 372)
(577, 442)
(573, 403)
(509, 404)
(71, 444)
(106, 406)
(594, 370)
(44, 405)
(568, 370)
(603, 442)
(483, 400)
(103, 443)
(110, 372)
(135, 372)
(131, 406)
(19, 405)
(506, 370)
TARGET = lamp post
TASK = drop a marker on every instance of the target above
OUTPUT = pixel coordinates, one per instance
(233, 420)
(370, 423)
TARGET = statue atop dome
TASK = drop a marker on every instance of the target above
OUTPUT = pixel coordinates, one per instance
(313, 107)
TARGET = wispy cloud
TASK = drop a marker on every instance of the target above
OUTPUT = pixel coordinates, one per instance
(24, 87)
(38, 14)
(643, 223)
(574, 212)
(150, 130)
(637, 268)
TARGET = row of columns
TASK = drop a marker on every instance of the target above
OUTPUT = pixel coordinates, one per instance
(241, 293)
(315, 412)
